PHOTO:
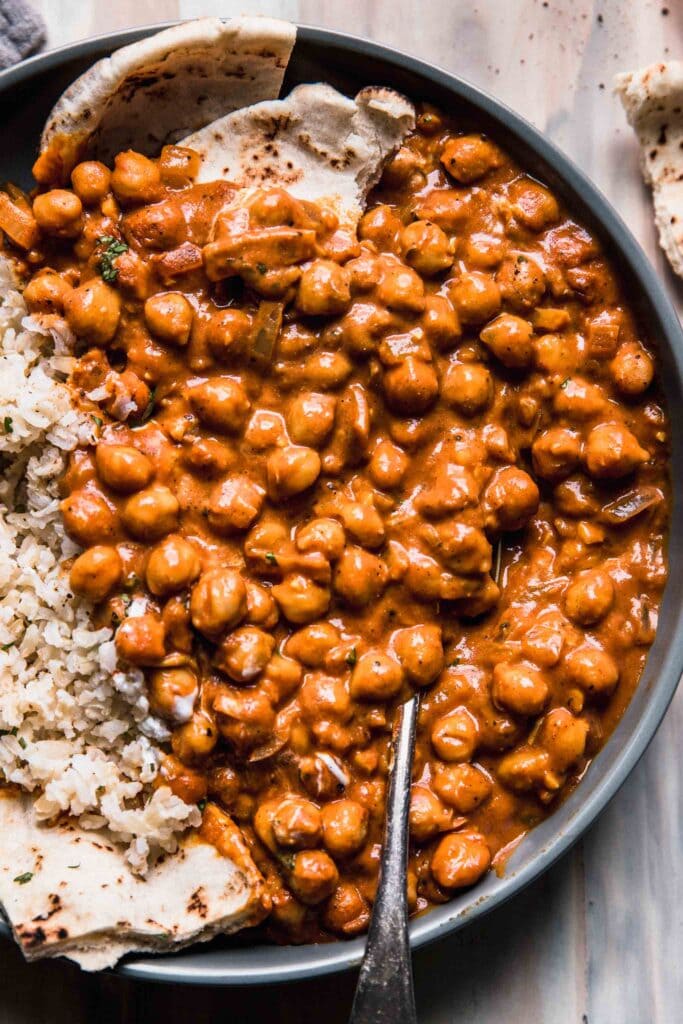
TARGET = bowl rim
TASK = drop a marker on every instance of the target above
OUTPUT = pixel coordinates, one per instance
(272, 964)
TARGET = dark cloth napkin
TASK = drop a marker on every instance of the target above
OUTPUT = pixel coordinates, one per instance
(21, 31)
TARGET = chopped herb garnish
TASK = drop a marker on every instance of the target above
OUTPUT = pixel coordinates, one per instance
(97, 420)
(564, 383)
(112, 248)
(8, 647)
(149, 408)
(271, 559)
(352, 657)
(7, 425)
(262, 268)
(201, 804)
(22, 743)
(23, 879)
(73, 867)
(9, 732)
(454, 663)
(100, 790)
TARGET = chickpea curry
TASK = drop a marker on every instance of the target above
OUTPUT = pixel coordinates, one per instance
(333, 466)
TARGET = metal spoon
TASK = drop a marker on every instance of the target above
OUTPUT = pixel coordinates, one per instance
(384, 993)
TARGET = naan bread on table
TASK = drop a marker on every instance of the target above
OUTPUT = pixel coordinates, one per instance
(317, 143)
(653, 101)
(69, 892)
(159, 89)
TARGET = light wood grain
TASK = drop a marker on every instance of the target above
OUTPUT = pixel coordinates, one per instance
(599, 939)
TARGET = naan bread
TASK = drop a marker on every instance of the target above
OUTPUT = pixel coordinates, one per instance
(653, 101)
(69, 892)
(317, 143)
(159, 89)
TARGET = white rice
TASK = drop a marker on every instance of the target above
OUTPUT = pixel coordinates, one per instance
(75, 728)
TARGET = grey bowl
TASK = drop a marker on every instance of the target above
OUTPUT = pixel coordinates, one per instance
(26, 94)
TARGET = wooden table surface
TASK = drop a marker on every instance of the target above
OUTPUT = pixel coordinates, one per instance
(599, 939)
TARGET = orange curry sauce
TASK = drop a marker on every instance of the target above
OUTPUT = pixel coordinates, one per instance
(309, 445)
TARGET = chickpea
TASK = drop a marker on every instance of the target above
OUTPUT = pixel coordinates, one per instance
(476, 297)
(89, 518)
(224, 784)
(135, 179)
(524, 769)
(534, 205)
(244, 654)
(411, 387)
(96, 572)
(509, 338)
(221, 404)
(376, 677)
(463, 548)
(300, 599)
(261, 607)
(312, 644)
(122, 468)
(58, 212)
(468, 158)
(324, 535)
(141, 640)
(227, 332)
(381, 226)
(311, 418)
(632, 368)
(296, 823)
(543, 643)
(427, 815)
(578, 400)
(169, 317)
(90, 181)
(589, 597)
(510, 499)
(556, 453)
(455, 736)
(460, 859)
(363, 523)
(264, 430)
(592, 669)
(360, 577)
(152, 513)
(313, 877)
(324, 697)
(246, 718)
(467, 387)
(208, 457)
(172, 566)
(188, 785)
(235, 504)
(521, 282)
(345, 827)
(464, 787)
(327, 369)
(388, 466)
(612, 451)
(281, 677)
(195, 740)
(92, 311)
(218, 601)
(291, 470)
(564, 737)
(347, 912)
(440, 322)
(519, 688)
(46, 293)
(420, 652)
(401, 289)
(173, 692)
(324, 289)
(426, 248)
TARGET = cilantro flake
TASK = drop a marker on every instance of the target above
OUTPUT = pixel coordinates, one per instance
(111, 248)
(23, 879)
(351, 657)
(201, 804)
(262, 268)
(7, 424)
(271, 558)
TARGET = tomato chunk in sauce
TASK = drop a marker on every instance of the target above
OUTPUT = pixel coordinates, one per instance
(336, 467)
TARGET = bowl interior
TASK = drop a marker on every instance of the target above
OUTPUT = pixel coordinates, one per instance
(27, 94)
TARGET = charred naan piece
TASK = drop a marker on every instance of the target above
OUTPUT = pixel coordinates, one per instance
(69, 892)
(653, 101)
(160, 88)
(317, 143)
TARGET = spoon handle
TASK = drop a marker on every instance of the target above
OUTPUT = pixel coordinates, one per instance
(384, 994)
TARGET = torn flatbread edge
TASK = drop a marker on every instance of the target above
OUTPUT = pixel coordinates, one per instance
(107, 109)
(317, 143)
(653, 101)
(68, 892)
